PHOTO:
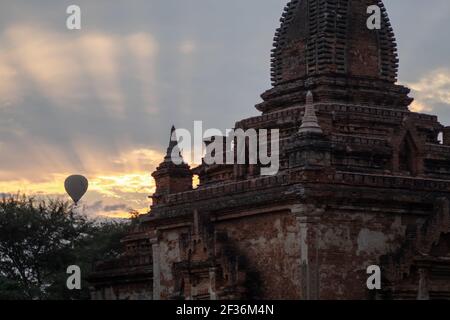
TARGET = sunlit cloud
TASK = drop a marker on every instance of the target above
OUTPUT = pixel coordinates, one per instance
(418, 106)
(186, 74)
(9, 87)
(73, 72)
(119, 194)
(139, 159)
(46, 58)
(144, 49)
(66, 69)
(100, 56)
(433, 88)
(125, 183)
(187, 47)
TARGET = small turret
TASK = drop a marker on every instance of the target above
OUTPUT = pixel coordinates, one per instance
(309, 148)
(310, 123)
(173, 175)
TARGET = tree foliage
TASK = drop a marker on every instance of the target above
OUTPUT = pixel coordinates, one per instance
(40, 239)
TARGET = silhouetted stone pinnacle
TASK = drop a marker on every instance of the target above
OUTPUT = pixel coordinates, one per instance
(173, 153)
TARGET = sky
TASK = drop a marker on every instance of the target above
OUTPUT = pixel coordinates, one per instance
(100, 101)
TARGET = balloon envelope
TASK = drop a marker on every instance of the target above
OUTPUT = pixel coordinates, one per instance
(76, 186)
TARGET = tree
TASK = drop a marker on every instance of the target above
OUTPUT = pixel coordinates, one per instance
(40, 239)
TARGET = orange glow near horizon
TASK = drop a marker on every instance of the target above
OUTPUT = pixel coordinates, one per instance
(118, 186)
(130, 189)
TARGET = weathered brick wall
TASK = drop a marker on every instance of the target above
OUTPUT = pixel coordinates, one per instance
(169, 253)
(343, 244)
(270, 244)
(306, 252)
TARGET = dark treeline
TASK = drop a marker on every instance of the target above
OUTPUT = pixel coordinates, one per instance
(39, 239)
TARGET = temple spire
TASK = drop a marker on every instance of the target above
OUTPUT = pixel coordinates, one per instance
(173, 175)
(173, 153)
(310, 123)
(319, 37)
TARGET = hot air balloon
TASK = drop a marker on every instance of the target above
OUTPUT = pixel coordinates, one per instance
(76, 186)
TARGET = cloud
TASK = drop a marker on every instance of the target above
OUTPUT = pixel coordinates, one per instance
(187, 47)
(96, 206)
(9, 88)
(99, 57)
(46, 58)
(115, 187)
(70, 69)
(101, 208)
(129, 169)
(418, 106)
(117, 207)
(432, 89)
(41, 146)
(144, 50)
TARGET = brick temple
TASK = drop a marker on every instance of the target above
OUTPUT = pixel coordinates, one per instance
(363, 181)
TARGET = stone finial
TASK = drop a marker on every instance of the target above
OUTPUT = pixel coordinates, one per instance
(309, 98)
(310, 123)
(172, 149)
(172, 175)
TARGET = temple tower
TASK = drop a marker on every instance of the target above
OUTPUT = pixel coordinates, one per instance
(362, 181)
(173, 175)
(325, 46)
